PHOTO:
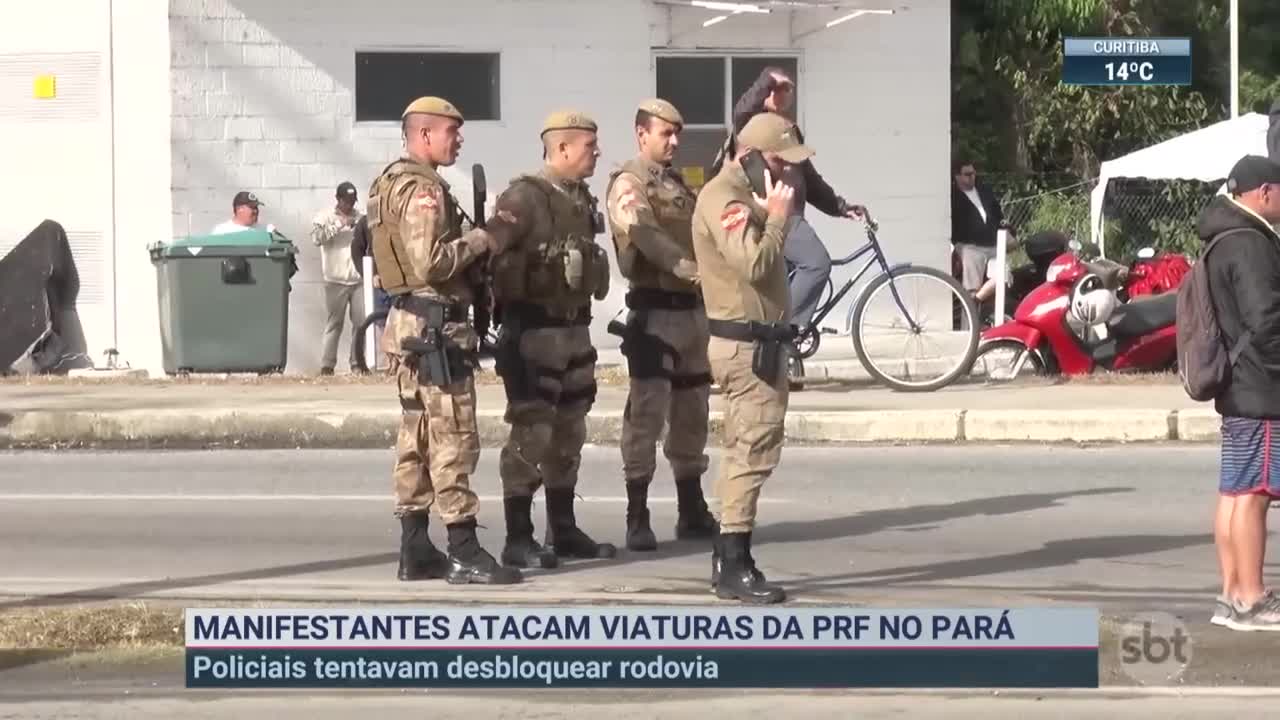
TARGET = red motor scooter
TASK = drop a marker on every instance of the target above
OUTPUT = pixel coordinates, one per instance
(1075, 323)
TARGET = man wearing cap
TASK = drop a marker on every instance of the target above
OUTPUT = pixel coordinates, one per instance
(650, 209)
(1244, 284)
(738, 240)
(332, 230)
(244, 214)
(545, 281)
(423, 259)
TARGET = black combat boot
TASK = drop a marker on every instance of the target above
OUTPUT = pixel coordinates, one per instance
(640, 535)
(694, 520)
(739, 579)
(521, 550)
(419, 559)
(469, 563)
(563, 534)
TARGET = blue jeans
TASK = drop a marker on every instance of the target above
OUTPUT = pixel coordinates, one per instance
(806, 253)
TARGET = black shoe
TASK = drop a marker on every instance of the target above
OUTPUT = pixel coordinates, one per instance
(640, 535)
(695, 521)
(521, 550)
(419, 559)
(739, 579)
(469, 563)
(563, 534)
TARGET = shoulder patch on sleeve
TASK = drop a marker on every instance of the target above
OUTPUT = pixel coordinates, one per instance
(734, 217)
(427, 197)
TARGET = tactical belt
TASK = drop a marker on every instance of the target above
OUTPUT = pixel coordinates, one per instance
(530, 316)
(428, 307)
(769, 339)
(654, 299)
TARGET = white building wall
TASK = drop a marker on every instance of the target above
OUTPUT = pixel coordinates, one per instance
(263, 99)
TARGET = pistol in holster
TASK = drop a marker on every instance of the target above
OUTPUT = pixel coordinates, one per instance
(644, 352)
(517, 379)
(771, 342)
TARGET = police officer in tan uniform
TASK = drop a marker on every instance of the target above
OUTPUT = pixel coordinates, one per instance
(665, 340)
(423, 259)
(544, 283)
(738, 236)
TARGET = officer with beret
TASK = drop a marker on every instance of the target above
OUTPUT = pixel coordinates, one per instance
(665, 338)
(423, 258)
(544, 283)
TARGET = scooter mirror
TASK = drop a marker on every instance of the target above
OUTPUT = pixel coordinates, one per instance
(1146, 253)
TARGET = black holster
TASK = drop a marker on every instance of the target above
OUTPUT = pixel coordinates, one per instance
(771, 340)
(440, 360)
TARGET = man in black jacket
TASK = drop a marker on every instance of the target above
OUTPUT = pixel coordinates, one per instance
(975, 218)
(774, 92)
(1244, 283)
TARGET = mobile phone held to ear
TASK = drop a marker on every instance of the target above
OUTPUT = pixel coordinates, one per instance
(754, 166)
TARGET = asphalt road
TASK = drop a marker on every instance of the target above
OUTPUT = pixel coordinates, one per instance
(1125, 530)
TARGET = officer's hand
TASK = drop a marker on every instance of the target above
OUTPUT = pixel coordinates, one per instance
(686, 270)
(778, 202)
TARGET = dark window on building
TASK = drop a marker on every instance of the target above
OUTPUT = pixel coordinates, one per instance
(695, 85)
(747, 69)
(386, 82)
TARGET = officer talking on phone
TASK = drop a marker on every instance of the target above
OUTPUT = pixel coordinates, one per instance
(739, 223)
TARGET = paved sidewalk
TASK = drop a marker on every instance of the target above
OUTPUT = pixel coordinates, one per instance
(341, 412)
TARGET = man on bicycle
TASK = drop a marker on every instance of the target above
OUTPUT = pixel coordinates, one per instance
(774, 92)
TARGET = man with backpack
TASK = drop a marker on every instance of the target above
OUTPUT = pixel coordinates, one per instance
(1229, 351)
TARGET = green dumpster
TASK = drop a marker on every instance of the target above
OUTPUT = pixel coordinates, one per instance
(224, 301)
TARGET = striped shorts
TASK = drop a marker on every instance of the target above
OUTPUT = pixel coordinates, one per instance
(1249, 464)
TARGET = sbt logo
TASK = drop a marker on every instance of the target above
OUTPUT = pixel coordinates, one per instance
(1154, 648)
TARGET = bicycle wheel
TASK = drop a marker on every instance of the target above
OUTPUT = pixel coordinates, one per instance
(358, 337)
(873, 328)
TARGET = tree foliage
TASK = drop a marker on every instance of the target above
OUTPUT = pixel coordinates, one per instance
(1012, 114)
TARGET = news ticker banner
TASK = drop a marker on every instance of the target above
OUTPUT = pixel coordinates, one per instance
(1126, 61)
(666, 647)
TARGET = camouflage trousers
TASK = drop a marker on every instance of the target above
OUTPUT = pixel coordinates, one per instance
(754, 417)
(438, 445)
(679, 397)
(549, 425)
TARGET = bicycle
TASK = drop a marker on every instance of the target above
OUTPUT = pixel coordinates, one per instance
(810, 337)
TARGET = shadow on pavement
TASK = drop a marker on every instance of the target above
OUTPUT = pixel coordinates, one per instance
(1057, 553)
(129, 590)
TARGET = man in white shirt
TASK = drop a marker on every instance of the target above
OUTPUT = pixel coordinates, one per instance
(244, 215)
(975, 218)
(332, 231)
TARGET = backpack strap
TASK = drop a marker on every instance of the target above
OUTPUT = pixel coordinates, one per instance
(1243, 341)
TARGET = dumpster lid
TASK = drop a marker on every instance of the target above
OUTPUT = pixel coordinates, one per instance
(248, 240)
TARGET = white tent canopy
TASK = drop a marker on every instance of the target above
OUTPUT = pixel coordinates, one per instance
(1206, 154)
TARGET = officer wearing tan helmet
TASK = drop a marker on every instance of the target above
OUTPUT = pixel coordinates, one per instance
(544, 283)
(422, 257)
(665, 339)
(738, 228)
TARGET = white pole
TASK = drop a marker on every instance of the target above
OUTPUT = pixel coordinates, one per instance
(370, 337)
(1235, 58)
(1002, 240)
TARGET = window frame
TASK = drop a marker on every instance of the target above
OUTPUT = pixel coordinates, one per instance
(726, 56)
(494, 52)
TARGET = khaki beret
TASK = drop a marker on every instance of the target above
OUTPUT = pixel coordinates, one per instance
(433, 106)
(770, 132)
(568, 120)
(662, 109)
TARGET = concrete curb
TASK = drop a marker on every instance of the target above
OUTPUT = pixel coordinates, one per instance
(182, 429)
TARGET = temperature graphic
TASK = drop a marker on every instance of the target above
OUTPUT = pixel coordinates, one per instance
(1126, 61)
(1145, 71)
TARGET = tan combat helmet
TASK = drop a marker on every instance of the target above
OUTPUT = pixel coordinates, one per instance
(569, 120)
(662, 110)
(431, 105)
